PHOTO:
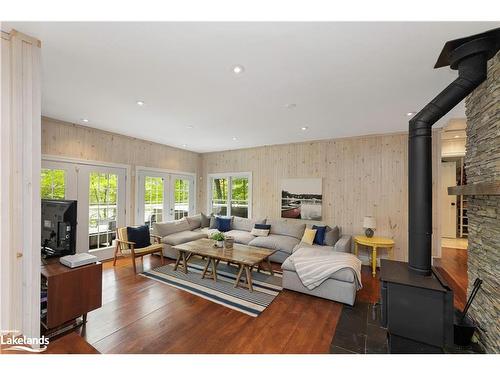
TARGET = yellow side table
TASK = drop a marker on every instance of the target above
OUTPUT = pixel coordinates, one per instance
(374, 243)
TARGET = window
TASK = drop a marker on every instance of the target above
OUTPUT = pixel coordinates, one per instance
(219, 196)
(103, 189)
(163, 196)
(52, 184)
(230, 194)
(181, 198)
(153, 200)
(239, 196)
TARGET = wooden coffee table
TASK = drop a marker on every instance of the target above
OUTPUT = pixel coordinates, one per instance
(246, 257)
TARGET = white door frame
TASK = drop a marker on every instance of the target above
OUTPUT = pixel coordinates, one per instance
(83, 201)
(168, 175)
(82, 213)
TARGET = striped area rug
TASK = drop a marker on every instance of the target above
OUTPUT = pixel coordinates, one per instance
(265, 286)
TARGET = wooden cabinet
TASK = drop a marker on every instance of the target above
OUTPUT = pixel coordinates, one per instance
(68, 293)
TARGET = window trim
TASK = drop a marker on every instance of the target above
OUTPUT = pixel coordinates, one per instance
(229, 176)
(159, 172)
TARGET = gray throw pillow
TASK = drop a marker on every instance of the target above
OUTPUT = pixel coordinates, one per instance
(332, 235)
(213, 222)
(205, 220)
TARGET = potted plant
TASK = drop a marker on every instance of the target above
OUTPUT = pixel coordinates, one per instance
(218, 237)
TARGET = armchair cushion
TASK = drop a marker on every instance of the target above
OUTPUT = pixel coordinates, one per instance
(139, 235)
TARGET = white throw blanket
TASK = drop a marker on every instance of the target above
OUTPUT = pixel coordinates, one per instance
(316, 265)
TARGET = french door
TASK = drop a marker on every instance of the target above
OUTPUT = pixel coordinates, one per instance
(102, 199)
(163, 196)
(100, 193)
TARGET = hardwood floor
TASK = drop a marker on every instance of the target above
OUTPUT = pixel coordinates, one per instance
(453, 266)
(140, 315)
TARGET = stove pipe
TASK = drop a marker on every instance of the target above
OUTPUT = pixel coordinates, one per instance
(469, 56)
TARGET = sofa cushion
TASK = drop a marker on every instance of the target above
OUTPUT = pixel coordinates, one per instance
(344, 274)
(261, 230)
(240, 236)
(182, 237)
(314, 246)
(170, 227)
(139, 235)
(332, 235)
(223, 223)
(320, 234)
(275, 242)
(309, 235)
(286, 228)
(194, 221)
(205, 220)
(242, 223)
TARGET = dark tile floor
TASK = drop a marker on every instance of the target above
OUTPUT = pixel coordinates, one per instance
(359, 331)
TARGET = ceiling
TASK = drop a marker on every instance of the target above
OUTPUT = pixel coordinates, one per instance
(346, 79)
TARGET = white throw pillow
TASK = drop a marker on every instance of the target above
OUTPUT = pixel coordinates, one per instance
(260, 232)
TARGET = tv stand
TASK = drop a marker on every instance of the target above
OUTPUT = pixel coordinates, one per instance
(70, 294)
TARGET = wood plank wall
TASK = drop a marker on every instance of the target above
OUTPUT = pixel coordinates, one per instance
(64, 139)
(361, 176)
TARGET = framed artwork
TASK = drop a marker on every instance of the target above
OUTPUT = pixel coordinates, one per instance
(301, 198)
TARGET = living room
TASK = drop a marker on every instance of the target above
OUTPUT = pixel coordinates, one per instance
(193, 173)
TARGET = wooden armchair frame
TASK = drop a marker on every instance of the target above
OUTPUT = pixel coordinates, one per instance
(155, 247)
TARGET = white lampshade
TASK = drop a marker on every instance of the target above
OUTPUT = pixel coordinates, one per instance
(369, 222)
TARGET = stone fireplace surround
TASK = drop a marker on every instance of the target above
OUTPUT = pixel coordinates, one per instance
(482, 165)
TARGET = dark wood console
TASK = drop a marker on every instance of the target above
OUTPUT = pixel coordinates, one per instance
(69, 293)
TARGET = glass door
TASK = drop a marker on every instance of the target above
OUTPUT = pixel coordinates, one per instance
(163, 196)
(182, 196)
(101, 205)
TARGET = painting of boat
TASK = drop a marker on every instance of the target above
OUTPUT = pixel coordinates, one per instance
(301, 198)
(290, 210)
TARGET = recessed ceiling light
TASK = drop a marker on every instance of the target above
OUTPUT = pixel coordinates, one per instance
(290, 105)
(140, 103)
(235, 139)
(409, 114)
(304, 128)
(238, 69)
(184, 145)
(85, 120)
(457, 136)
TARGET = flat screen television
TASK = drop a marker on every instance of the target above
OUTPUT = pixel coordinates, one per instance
(58, 228)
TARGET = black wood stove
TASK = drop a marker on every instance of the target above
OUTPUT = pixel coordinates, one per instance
(417, 305)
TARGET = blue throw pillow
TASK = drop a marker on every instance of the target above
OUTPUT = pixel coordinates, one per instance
(139, 235)
(262, 226)
(223, 223)
(319, 238)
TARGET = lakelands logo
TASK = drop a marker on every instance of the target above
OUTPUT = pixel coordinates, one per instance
(13, 341)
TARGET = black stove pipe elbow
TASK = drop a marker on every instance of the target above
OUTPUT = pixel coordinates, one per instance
(470, 58)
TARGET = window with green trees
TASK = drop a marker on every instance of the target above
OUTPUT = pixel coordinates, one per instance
(239, 196)
(181, 196)
(52, 184)
(103, 190)
(237, 202)
(153, 200)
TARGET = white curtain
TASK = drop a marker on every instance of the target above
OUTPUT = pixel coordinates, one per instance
(20, 158)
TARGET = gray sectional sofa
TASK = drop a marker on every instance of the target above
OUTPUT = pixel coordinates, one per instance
(284, 237)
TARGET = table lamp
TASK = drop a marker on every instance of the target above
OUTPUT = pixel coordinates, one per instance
(369, 223)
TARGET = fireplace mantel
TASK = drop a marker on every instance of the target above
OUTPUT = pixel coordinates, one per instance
(480, 188)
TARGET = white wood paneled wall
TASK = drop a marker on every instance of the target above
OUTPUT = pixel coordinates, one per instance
(20, 184)
(361, 176)
(68, 140)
